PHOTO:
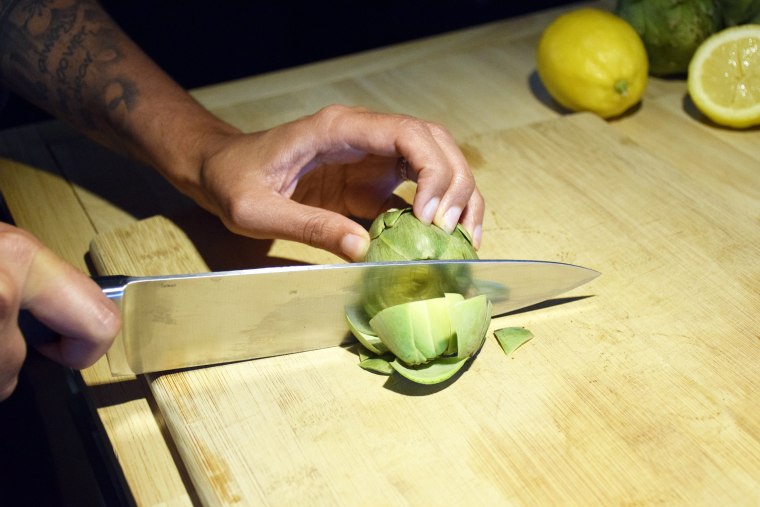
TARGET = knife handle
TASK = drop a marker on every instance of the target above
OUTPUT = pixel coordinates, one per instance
(112, 285)
(36, 333)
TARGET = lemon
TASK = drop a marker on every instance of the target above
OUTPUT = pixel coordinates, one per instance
(724, 77)
(592, 60)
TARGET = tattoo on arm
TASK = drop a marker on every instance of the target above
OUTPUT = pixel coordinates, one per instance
(64, 56)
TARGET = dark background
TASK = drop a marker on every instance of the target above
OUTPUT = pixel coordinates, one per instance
(201, 43)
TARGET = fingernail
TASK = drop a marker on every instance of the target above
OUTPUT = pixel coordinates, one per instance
(110, 318)
(477, 236)
(451, 218)
(428, 212)
(354, 247)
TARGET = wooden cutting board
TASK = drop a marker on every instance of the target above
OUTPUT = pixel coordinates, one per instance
(640, 389)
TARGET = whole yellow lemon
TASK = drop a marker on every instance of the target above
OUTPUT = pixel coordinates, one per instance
(592, 60)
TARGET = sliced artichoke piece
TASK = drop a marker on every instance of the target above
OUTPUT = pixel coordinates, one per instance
(470, 319)
(358, 324)
(432, 372)
(377, 365)
(511, 338)
(415, 332)
(452, 299)
(374, 363)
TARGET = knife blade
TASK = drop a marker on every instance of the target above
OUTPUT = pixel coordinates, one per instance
(181, 321)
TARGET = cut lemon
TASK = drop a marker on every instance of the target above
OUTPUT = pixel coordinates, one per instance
(724, 77)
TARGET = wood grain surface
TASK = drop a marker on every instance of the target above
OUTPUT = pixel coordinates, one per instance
(637, 388)
(641, 393)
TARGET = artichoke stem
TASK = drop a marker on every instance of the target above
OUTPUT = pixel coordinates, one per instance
(621, 86)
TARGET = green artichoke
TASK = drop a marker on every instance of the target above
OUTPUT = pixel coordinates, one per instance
(419, 324)
(738, 12)
(397, 235)
(426, 341)
(671, 29)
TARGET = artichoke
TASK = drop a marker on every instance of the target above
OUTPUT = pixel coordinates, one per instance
(419, 325)
(426, 341)
(671, 29)
(397, 235)
(738, 12)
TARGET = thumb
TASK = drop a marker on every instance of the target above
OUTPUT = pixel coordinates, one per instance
(12, 354)
(281, 218)
(12, 345)
(70, 303)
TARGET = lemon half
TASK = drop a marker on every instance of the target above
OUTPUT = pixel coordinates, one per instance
(724, 77)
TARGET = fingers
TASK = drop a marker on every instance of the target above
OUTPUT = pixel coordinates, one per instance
(472, 218)
(60, 296)
(446, 191)
(300, 180)
(277, 217)
(12, 346)
(460, 201)
(70, 303)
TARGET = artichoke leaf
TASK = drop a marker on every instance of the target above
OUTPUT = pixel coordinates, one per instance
(511, 338)
(415, 332)
(387, 219)
(470, 319)
(370, 361)
(358, 324)
(364, 353)
(433, 372)
(452, 299)
(397, 235)
(377, 365)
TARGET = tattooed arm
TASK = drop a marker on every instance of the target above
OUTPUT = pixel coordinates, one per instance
(69, 58)
(296, 181)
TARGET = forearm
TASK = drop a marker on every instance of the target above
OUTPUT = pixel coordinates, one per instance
(69, 58)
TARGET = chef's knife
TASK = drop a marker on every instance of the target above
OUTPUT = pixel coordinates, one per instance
(172, 322)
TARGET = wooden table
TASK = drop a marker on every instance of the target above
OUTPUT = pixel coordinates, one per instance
(641, 389)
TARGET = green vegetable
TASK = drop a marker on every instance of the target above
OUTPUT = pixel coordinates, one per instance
(398, 235)
(416, 332)
(511, 338)
(429, 340)
(358, 324)
(420, 326)
(671, 29)
(738, 12)
(377, 364)
(470, 319)
(430, 373)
